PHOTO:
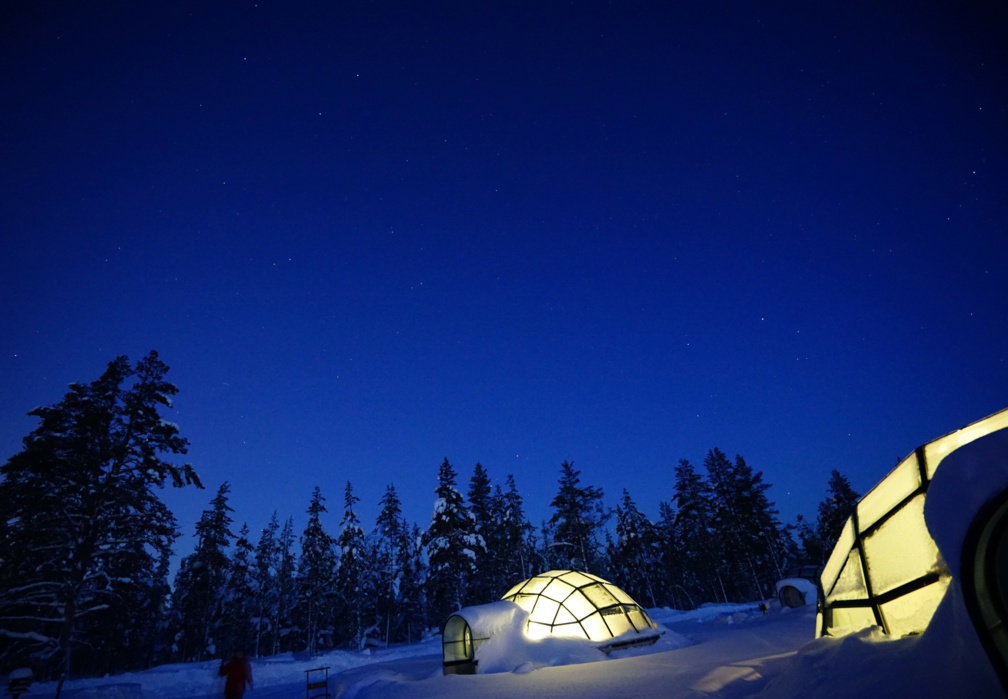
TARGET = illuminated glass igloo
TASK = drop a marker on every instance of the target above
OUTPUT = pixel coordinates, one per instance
(572, 604)
(886, 569)
(560, 603)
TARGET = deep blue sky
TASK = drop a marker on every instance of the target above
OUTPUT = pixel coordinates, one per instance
(366, 236)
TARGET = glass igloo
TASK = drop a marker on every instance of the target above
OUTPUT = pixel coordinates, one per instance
(573, 604)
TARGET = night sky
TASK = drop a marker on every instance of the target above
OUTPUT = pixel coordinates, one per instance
(367, 236)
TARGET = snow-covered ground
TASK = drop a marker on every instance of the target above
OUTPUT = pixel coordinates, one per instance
(722, 651)
(726, 652)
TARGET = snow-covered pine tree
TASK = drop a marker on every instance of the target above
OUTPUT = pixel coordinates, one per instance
(634, 556)
(264, 585)
(315, 580)
(388, 538)
(285, 631)
(201, 584)
(128, 633)
(669, 563)
(239, 605)
(746, 527)
(482, 586)
(691, 538)
(413, 605)
(355, 606)
(80, 508)
(577, 520)
(451, 542)
(514, 551)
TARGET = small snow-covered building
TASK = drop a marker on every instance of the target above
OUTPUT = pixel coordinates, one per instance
(558, 604)
(469, 628)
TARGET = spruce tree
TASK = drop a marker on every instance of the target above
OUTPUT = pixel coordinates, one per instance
(352, 588)
(389, 537)
(267, 563)
(239, 606)
(633, 556)
(516, 556)
(285, 637)
(692, 538)
(482, 584)
(80, 507)
(670, 562)
(413, 598)
(452, 542)
(201, 583)
(577, 520)
(746, 527)
(315, 581)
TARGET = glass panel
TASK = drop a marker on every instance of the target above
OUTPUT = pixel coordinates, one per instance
(526, 602)
(912, 612)
(574, 630)
(617, 621)
(457, 640)
(621, 597)
(851, 583)
(595, 628)
(558, 590)
(579, 606)
(599, 596)
(639, 619)
(849, 620)
(577, 579)
(902, 481)
(838, 558)
(545, 611)
(901, 549)
(534, 586)
(564, 617)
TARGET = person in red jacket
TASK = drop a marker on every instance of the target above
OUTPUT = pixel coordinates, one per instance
(238, 672)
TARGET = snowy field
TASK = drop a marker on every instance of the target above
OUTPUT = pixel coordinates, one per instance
(722, 651)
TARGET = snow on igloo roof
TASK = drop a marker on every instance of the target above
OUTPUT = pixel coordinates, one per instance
(578, 605)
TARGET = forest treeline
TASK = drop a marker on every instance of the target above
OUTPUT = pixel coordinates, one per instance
(85, 546)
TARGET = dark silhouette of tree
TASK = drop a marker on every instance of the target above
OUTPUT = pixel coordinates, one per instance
(81, 513)
(239, 606)
(574, 527)
(482, 585)
(315, 580)
(517, 556)
(634, 555)
(200, 585)
(387, 538)
(746, 528)
(834, 510)
(264, 585)
(452, 544)
(354, 588)
(413, 604)
(285, 636)
(693, 536)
